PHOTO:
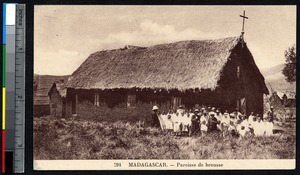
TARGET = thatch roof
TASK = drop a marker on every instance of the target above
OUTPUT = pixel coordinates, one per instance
(43, 84)
(180, 65)
(60, 87)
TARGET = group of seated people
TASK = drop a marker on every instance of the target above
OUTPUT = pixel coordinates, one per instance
(210, 119)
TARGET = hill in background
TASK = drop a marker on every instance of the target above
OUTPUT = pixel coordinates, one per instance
(275, 80)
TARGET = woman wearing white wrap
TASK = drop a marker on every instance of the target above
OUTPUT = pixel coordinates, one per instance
(268, 127)
(176, 123)
(251, 118)
(258, 127)
(169, 122)
(204, 123)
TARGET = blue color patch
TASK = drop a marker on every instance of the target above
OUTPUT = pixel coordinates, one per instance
(4, 24)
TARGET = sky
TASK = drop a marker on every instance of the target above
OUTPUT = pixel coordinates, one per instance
(64, 36)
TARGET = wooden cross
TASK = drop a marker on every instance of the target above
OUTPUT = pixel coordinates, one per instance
(244, 17)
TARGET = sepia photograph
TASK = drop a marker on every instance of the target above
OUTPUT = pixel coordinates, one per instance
(164, 87)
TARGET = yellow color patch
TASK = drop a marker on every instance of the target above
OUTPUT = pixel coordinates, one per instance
(3, 107)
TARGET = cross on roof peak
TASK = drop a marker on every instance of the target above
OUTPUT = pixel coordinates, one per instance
(244, 17)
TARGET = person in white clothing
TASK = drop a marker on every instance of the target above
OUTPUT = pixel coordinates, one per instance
(225, 123)
(258, 127)
(188, 122)
(250, 118)
(204, 123)
(225, 118)
(180, 112)
(169, 123)
(269, 126)
(218, 117)
(176, 123)
(185, 122)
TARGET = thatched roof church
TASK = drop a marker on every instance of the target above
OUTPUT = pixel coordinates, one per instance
(218, 72)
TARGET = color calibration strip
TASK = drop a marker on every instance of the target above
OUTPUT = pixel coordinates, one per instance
(3, 140)
(13, 88)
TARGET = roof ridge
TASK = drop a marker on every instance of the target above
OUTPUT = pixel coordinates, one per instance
(130, 46)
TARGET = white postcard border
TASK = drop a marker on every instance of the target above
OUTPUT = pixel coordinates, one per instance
(237, 164)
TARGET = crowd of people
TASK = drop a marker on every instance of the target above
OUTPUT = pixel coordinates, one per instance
(209, 119)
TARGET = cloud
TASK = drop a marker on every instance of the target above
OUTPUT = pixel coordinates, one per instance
(150, 33)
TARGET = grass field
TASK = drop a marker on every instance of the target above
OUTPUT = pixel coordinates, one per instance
(81, 139)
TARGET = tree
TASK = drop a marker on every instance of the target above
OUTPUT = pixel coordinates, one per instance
(289, 70)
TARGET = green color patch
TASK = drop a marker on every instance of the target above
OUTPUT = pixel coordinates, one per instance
(3, 65)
